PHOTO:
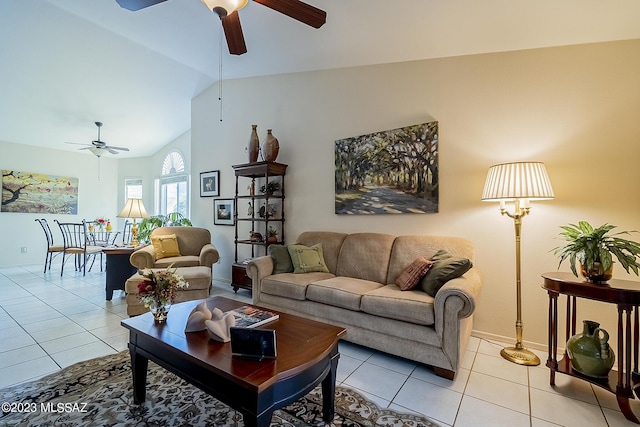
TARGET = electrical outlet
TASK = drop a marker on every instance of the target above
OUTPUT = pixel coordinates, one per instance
(23, 250)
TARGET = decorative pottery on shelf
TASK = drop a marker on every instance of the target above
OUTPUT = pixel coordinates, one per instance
(270, 148)
(595, 274)
(254, 145)
(590, 352)
(159, 311)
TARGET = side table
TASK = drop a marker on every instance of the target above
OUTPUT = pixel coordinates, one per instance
(119, 269)
(626, 295)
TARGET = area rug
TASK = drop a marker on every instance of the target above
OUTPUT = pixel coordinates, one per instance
(99, 392)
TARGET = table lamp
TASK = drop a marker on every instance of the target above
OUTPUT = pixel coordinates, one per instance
(134, 208)
(517, 183)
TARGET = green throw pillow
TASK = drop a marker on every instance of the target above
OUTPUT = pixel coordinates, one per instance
(281, 259)
(445, 267)
(307, 259)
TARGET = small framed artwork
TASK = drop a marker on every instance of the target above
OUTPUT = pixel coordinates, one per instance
(223, 211)
(209, 184)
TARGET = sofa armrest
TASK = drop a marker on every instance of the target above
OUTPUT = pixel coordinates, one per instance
(209, 255)
(143, 258)
(258, 269)
(459, 295)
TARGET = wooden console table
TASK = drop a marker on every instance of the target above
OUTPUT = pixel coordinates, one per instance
(626, 295)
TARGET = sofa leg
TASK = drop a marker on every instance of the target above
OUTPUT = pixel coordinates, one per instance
(444, 373)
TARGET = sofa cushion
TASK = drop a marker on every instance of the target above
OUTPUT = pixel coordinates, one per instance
(445, 267)
(165, 246)
(289, 285)
(389, 301)
(411, 276)
(344, 292)
(307, 259)
(281, 259)
(178, 261)
(366, 256)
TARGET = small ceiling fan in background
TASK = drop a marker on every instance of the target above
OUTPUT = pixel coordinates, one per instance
(98, 147)
(227, 10)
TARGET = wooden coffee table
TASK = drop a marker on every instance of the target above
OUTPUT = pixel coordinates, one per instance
(307, 356)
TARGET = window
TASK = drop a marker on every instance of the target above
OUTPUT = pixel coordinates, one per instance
(173, 186)
(132, 188)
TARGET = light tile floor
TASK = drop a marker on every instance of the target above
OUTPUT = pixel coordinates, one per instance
(48, 322)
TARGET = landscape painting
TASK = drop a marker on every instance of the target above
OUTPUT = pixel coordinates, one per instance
(30, 192)
(388, 172)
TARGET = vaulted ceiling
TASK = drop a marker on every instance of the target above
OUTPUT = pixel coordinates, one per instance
(65, 64)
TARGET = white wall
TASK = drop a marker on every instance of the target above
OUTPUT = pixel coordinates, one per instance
(96, 197)
(575, 108)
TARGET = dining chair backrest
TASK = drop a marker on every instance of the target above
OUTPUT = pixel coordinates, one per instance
(126, 233)
(74, 234)
(47, 231)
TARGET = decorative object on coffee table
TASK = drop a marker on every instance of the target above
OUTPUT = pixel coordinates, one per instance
(519, 183)
(158, 291)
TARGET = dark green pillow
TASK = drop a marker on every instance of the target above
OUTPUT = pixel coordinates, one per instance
(307, 259)
(445, 267)
(281, 259)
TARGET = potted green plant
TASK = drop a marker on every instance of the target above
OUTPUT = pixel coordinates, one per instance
(594, 249)
(272, 235)
(173, 219)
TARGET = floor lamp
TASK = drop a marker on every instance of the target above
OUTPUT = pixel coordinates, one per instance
(134, 208)
(517, 183)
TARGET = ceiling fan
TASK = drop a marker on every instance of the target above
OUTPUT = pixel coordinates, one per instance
(227, 10)
(99, 147)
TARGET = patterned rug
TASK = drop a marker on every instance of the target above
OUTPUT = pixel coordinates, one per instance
(99, 392)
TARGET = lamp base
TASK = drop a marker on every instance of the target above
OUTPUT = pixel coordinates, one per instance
(521, 356)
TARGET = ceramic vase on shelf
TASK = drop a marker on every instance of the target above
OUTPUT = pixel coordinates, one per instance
(270, 148)
(590, 352)
(254, 145)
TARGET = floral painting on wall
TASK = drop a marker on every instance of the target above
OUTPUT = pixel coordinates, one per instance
(393, 171)
(30, 192)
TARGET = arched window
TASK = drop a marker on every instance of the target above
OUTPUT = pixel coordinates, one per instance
(173, 186)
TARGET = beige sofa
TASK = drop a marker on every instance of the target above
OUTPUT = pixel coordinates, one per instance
(359, 294)
(194, 244)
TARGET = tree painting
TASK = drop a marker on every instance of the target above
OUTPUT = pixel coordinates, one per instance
(38, 193)
(394, 171)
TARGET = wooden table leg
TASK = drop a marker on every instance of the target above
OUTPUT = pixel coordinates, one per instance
(139, 366)
(625, 407)
(552, 357)
(329, 390)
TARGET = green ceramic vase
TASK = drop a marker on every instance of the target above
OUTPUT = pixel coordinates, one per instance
(589, 351)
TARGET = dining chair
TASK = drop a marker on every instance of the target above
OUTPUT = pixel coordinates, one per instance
(126, 233)
(78, 242)
(52, 250)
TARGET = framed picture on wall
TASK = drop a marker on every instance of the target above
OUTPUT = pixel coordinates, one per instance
(223, 211)
(209, 184)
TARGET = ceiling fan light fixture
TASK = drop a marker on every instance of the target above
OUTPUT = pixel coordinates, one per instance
(97, 151)
(224, 7)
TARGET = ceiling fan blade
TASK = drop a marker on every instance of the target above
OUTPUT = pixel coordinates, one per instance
(113, 151)
(85, 148)
(77, 143)
(116, 148)
(297, 10)
(137, 4)
(233, 33)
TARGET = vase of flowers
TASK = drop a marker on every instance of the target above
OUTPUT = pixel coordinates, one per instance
(158, 291)
(101, 222)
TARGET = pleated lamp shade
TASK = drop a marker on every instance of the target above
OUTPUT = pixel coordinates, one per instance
(519, 180)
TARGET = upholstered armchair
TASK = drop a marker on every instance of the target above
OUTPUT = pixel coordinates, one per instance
(177, 247)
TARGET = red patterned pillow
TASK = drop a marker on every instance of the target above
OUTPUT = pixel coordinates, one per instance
(411, 276)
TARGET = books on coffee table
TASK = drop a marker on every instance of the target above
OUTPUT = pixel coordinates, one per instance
(249, 317)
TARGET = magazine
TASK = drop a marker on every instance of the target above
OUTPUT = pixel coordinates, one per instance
(249, 317)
